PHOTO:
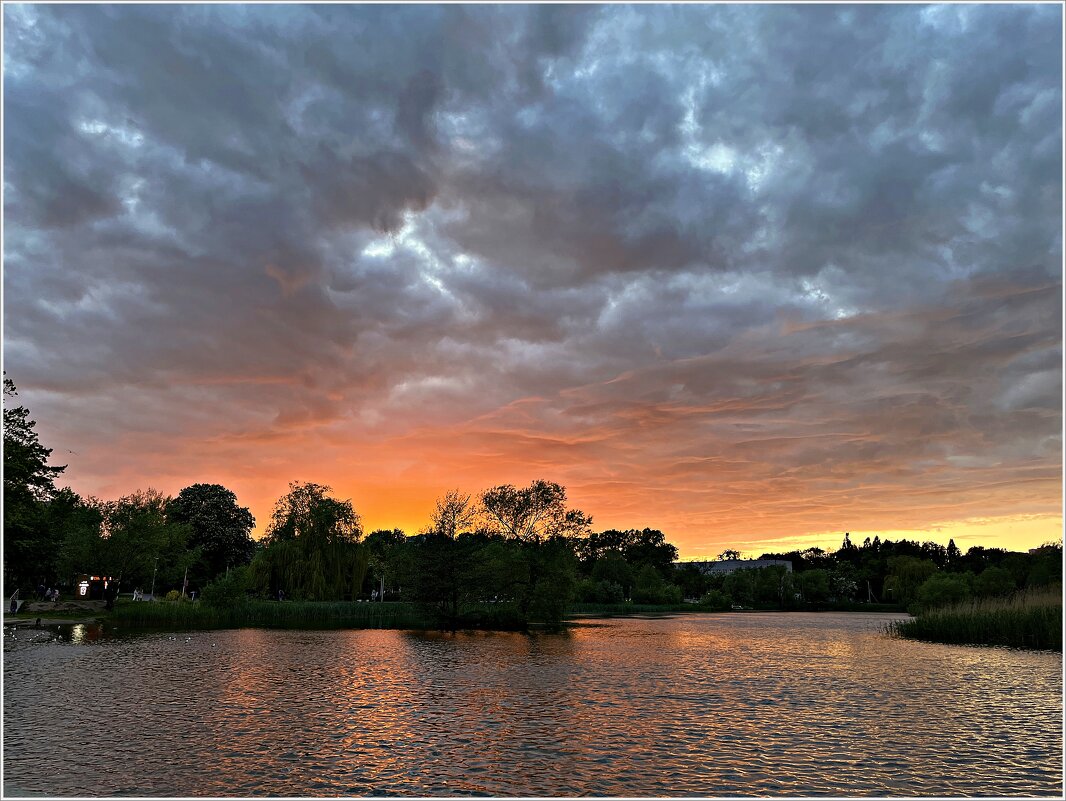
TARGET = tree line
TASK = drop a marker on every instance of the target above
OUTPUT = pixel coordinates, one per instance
(505, 557)
(906, 573)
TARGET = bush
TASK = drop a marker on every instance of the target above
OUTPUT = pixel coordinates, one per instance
(228, 590)
(942, 589)
(715, 601)
(651, 589)
(994, 581)
(173, 595)
(600, 592)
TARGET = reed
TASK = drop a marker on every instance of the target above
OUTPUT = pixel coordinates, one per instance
(1031, 619)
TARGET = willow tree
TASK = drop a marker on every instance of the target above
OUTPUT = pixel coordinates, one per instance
(312, 547)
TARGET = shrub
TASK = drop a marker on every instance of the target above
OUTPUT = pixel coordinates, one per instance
(994, 581)
(942, 589)
(228, 590)
(651, 589)
(603, 591)
(173, 595)
(715, 601)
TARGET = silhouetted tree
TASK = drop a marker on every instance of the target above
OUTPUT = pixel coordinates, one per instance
(31, 548)
(453, 514)
(312, 549)
(219, 526)
(532, 514)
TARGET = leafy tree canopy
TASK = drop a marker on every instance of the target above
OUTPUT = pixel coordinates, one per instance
(307, 512)
(532, 514)
(220, 527)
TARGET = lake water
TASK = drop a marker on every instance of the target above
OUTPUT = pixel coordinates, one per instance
(731, 704)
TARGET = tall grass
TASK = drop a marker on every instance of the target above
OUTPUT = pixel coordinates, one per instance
(1030, 619)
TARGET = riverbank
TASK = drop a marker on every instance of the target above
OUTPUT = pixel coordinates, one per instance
(1025, 620)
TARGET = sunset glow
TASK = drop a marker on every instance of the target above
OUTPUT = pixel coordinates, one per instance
(717, 270)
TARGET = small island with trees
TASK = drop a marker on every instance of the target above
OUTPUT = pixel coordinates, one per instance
(506, 558)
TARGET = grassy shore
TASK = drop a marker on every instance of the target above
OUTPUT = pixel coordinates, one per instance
(1025, 620)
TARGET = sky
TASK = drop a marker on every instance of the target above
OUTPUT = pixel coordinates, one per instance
(753, 276)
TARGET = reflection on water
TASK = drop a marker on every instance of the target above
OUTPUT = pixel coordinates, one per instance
(697, 705)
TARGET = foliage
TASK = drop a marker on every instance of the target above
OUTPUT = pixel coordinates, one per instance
(385, 550)
(229, 589)
(532, 514)
(813, 585)
(139, 539)
(649, 588)
(173, 595)
(80, 523)
(219, 527)
(906, 575)
(307, 513)
(31, 546)
(612, 567)
(453, 514)
(312, 550)
(600, 592)
(994, 581)
(715, 600)
(941, 589)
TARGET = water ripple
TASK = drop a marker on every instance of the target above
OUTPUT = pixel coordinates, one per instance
(744, 705)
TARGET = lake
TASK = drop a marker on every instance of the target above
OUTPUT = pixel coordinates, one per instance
(728, 704)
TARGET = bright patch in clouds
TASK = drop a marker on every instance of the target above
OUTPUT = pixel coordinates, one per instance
(746, 287)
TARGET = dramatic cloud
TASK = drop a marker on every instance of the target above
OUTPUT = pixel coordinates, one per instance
(743, 273)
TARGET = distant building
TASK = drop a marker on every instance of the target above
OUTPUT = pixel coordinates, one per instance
(732, 565)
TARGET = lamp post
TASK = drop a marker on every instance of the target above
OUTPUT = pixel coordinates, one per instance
(151, 592)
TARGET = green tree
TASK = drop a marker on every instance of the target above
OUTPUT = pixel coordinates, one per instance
(139, 538)
(941, 589)
(715, 600)
(613, 567)
(385, 550)
(31, 548)
(813, 585)
(739, 585)
(774, 586)
(905, 575)
(554, 580)
(80, 522)
(312, 547)
(953, 555)
(994, 581)
(649, 588)
(228, 589)
(844, 582)
(220, 528)
(443, 576)
(648, 546)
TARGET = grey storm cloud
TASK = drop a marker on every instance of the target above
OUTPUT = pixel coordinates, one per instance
(312, 215)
